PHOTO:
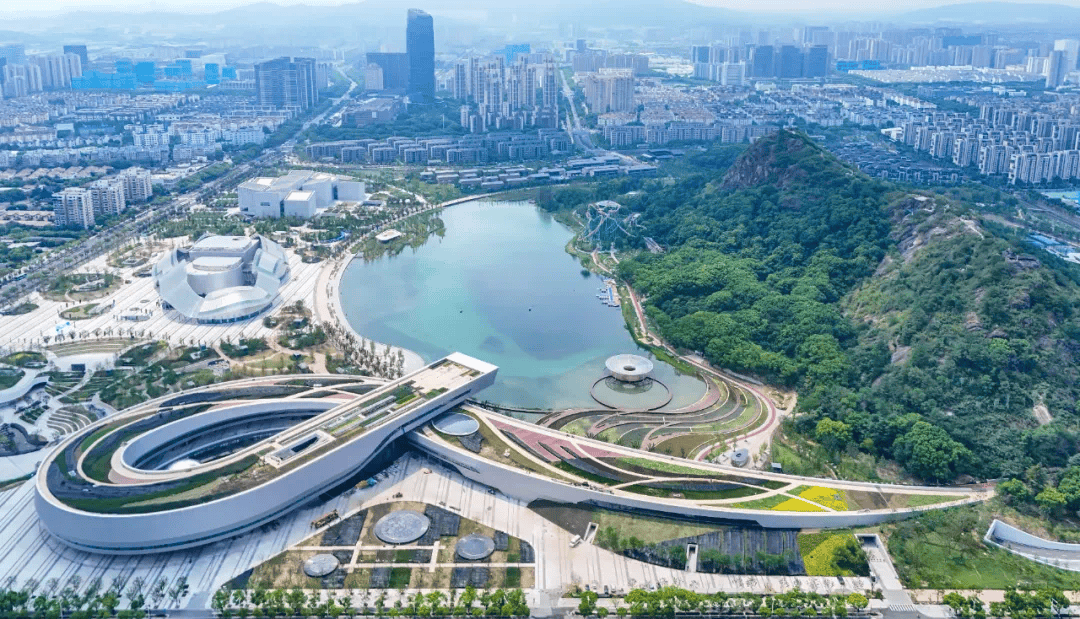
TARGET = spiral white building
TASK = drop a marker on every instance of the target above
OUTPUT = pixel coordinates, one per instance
(212, 463)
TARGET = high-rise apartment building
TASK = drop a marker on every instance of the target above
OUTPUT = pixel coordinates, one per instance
(1056, 69)
(609, 90)
(460, 86)
(504, 96)
(57, 70)
(420, 47)
(549, 85)
(287, 82)
(74, 208)
(138, 185)
(21, 79)
(107, 197)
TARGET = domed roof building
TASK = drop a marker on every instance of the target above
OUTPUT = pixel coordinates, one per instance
(222, 279)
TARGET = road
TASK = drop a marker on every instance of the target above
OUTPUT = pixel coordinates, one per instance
(579, 135)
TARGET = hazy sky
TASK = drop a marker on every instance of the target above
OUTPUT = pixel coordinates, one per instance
(25, 7)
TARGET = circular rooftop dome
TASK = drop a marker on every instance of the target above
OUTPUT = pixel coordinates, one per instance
(474, 547)
(320, 565)
(629, 368)
(402, 527)
(456, 424)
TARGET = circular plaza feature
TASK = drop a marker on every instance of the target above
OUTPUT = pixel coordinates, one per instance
(629, 368)
(320, 565)
(474, 547)
(402, 527)
(456, 424)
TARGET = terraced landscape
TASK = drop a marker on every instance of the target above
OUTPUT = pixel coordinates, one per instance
(727, 411)
(620, 469)
(70, 419)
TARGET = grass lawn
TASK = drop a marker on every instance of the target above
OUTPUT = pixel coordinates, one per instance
(943, 549)
(79, 312)
(685, 445)
(817, 550)
(647, 529)
(400, 577)
(697, 495)
(513, 577)
(920, 500)
(929, 565)
(661, 466)
(25, 358)
(768, 502)
(9, 379)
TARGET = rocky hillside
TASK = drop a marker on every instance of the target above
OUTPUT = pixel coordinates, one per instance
(783, 160)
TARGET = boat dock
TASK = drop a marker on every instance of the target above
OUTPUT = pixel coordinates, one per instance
(609, 294)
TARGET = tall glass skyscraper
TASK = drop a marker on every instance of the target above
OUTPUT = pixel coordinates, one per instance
(420, 46)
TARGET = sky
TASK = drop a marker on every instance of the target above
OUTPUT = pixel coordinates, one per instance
(37, 7)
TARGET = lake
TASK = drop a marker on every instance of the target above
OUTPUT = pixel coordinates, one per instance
(500, 286)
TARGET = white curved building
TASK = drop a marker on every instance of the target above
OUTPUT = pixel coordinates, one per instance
(208, 464)
(222, 278)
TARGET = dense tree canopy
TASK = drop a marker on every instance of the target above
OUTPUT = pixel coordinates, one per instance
(894, 313)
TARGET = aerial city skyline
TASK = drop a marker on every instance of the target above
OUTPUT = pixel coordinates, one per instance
(548, 310)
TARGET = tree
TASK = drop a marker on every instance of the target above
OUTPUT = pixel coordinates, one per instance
(1014, 489)
(850, 557)
(1051, 500)
(928, 452)
(296, 600)
(220, 600)
(588, 603)
(955, 601)
(833, 435)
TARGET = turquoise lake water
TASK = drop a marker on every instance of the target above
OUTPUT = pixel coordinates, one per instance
(500, 286)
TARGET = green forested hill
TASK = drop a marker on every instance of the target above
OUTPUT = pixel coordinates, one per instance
(910, 331)
(979, 337)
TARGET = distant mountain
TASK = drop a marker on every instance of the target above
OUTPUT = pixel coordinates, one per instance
(274, 22)
(995, 13)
